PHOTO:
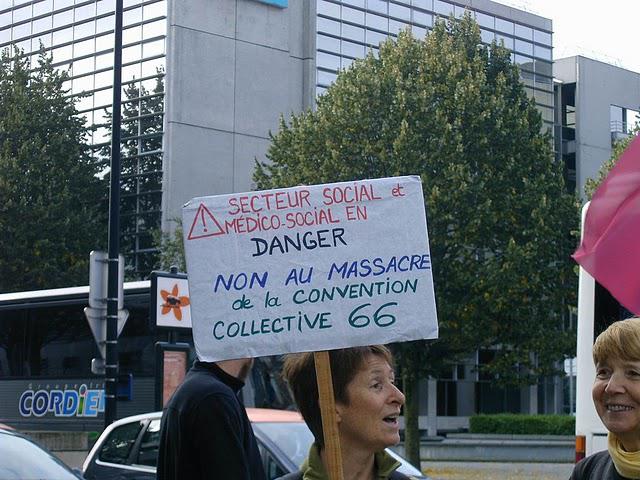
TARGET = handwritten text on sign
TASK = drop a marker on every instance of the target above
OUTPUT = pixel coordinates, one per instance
(309, 268)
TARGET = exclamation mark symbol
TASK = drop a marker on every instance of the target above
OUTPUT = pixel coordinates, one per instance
(204, 224)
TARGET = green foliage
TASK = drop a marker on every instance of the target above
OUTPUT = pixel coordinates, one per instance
(591, 185)
(171, 248)
(454, 112)
(507, 423)
(52, 204)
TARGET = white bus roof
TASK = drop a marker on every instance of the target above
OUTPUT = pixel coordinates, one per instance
(17, 297)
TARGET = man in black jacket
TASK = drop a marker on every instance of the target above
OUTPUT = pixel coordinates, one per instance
(205, 433)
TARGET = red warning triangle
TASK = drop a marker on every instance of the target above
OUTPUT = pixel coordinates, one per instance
(204, 224)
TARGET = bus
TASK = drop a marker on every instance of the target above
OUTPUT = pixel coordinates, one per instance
(46, 348)
(597, 309)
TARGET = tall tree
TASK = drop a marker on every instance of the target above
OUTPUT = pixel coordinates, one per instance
(453, 111)
(52, 204)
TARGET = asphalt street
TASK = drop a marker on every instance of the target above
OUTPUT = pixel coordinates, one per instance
(496, 471)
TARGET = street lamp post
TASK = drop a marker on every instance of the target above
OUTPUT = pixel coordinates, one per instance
(111, 363)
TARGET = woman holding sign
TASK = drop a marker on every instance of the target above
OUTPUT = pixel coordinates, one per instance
(367, 408)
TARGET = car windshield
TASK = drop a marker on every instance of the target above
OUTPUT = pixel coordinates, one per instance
(24, 459)
(295, 438)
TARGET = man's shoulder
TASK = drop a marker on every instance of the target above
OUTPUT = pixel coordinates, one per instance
(593, 467)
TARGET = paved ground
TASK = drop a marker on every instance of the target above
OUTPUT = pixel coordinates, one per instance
(496, 471)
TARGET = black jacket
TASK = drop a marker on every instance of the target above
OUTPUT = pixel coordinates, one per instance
(598, 466)
(205, 433)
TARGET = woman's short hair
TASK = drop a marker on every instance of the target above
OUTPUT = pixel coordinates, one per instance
(621, 340)
(300, 372)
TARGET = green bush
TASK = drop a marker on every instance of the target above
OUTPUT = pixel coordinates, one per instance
(507, 423)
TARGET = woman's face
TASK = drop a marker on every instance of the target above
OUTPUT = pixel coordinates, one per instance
(616, 395)
(370, 420)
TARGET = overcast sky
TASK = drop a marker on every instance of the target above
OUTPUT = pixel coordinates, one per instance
(606, 31)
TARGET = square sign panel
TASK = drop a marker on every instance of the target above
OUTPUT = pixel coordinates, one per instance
(314, 267)
(170, 302)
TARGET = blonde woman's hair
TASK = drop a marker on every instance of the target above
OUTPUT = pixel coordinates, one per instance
(621, 340)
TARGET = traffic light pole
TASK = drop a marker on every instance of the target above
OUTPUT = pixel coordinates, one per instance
(111, 363)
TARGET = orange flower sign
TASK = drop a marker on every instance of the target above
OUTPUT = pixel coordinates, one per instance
(173, 302)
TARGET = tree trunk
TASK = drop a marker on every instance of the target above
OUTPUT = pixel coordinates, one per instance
(411, 427)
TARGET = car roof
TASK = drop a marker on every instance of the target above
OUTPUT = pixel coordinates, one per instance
(262, 415)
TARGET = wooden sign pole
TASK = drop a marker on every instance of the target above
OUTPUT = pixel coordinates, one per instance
(333, 454)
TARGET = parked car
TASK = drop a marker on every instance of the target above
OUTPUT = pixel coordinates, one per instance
(22, 458)
(129, 447)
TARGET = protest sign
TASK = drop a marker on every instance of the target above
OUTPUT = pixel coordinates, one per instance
(309, 268)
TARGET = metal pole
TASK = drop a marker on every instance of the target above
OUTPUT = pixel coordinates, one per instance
(111, 364)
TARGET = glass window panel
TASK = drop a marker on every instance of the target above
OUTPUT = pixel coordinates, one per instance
(376, 21)
(542, 37)
(152, 49)
(459, 11)
(442, 8)
(5, 35)
(346, 62)
(41, 24)
(152, 67)
(62, 18)
(547, 113)
(25, 45)
(132, 16)
(352, 49)
(374, 38)
(381, 6)
(82, 84)
(103, 97)
(325, 60)
(323, 24)
(542, 52)
(45, 39)
(58, 4)
(105, 24)
(422, 18)
(130, 3)
(527, 78)
(66, 86)
(20, 31)
(43, 7)
(503, 39)
(485, 20)
(524, 47)
(419, 32)
(525, 63)
(84, 48)
(158, 9)
(395, 26)
(425, 4)
(327, 43)
(352, 15)
(545, 98)
(101, 135)
(62, 54)
(399, 11)
(355, 3)
(21, 14)
(504, 25)
(84, 103)
(524, 32)
(104, 42)
(487, 36)
(104, 79)
(130, 72)
(83, 30)
(353, 33)
(328, 8)
(544, 83)
(106, 6)
(81, 67)
(104, 61)
(85, 12)
(543, 68)
(326, 78)
(131, 54)
(155, 29)
(132, 35)
(63, 36)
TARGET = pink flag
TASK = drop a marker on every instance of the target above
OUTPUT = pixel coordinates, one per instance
(610, 248)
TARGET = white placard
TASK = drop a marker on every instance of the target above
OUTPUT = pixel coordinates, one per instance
(309, 268)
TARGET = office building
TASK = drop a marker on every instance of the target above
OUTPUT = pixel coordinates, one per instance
(205, 81)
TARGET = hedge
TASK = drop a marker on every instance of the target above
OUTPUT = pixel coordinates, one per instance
(507, 423)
